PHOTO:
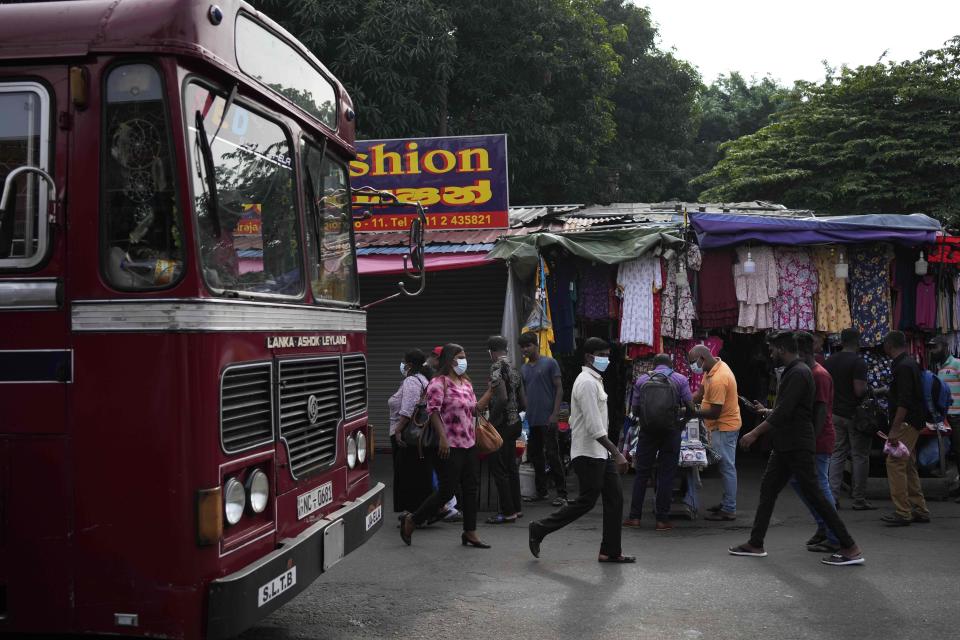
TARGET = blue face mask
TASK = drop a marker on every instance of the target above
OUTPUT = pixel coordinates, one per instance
(600, 363)
(461, 366)
(696, 368)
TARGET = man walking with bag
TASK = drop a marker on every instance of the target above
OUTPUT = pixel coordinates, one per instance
(658, 400)
(594, 458)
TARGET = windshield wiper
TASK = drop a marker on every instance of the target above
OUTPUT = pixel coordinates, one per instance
(207, 174)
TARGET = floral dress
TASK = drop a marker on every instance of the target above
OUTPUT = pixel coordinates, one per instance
(793, 308)
(833, 309)
(677, 302)
(870, 291)
(639, 279)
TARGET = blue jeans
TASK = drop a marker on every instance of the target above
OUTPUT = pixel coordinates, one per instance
(725, 443)
(823, 478)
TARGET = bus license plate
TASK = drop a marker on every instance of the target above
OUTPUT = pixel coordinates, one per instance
(277, 586)
(374, 516)
(314, 500)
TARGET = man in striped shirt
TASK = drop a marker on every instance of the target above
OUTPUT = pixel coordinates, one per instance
(948, 370)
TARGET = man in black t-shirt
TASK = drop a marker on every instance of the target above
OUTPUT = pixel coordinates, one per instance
(849, 373)
(906, 421)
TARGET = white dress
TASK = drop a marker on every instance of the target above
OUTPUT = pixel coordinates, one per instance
(756, 291)
(639, 279)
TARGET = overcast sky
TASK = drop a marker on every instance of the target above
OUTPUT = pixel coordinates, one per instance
(788, 39)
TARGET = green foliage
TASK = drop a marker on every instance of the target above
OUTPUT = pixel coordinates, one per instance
(879, 138)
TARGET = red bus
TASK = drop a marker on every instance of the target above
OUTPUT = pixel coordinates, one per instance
(184, 443)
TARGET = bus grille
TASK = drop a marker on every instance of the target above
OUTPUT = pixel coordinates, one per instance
(246, 406)
(310, 436)
(354, 384)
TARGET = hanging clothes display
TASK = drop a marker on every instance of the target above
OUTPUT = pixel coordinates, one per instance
(926, 318)
(833, 307)
(594, 291)
(756, 291)
(639, 279)
(793, 307)
(717, 306)
(560, 284)
(904, 288)
(539, 321)
(677, 302)
(870, 290)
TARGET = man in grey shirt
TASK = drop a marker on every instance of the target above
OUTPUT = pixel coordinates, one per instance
(544, 389)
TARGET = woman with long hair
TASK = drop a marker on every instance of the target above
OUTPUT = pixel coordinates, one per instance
(452, 406)
(412, 476)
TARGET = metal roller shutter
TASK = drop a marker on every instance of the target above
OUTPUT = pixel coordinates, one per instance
(462, 306)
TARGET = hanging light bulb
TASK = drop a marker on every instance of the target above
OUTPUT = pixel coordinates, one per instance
(920, 266)
(682, 282)
(749, 266)
(842, 269)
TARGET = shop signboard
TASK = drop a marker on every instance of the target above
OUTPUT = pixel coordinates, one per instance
(461, 181)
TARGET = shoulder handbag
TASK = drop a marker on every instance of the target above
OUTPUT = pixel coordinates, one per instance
(488, 440)
(419, 433)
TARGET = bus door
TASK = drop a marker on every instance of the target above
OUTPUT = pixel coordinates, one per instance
(36, 363)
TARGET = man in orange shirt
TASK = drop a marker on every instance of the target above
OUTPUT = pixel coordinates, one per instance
(720, 410)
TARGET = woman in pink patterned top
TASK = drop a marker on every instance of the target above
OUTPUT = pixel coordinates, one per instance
(452, 405)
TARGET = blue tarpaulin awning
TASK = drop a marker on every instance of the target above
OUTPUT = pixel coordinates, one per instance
(724, 229)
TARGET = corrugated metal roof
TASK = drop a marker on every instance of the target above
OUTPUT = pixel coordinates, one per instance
(675, 208)
(575, 222)
(525, 216)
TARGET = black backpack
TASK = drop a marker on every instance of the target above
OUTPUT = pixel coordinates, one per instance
(658, 403)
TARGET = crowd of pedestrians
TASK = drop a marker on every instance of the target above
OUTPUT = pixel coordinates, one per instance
(814, 426)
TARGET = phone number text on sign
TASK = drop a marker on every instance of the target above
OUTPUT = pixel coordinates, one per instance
(401, 222)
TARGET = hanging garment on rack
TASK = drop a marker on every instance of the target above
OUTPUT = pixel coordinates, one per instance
(560, 280)
(539, 321)
(833, 307)
(594, 290)
(926, 303)
(870, 290)
(793, 307)
(717, 306)
(904, 288)
(639, 279)
(677, 302)
(756, 291)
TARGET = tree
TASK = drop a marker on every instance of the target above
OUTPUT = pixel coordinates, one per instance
(878, 138)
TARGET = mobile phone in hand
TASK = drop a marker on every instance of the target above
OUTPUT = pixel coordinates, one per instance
(747, 404)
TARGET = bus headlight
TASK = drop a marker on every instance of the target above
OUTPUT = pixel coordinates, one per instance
(234, 500)
(351, 452)
(258, 490)
(361, 447)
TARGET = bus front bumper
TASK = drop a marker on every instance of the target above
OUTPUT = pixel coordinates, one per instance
(237, 601)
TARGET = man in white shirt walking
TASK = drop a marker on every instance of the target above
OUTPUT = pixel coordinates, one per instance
(596, 461)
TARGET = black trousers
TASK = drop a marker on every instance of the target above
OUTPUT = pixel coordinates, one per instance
(780, 467)
(461, 468)
(544, 437)
(506, 470)
(663, 449)
(412, 478)
(598, 478)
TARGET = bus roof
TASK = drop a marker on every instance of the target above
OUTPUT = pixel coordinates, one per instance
(71, 29)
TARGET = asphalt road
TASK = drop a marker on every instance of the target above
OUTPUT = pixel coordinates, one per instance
(684, 585)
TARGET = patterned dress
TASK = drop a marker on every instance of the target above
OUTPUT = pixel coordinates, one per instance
(870, 291)
(793, 307)
(833, 309)
(756, 291)
(678, 301)
(639, 279)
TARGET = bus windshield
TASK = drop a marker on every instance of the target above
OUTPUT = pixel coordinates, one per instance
(247, 212)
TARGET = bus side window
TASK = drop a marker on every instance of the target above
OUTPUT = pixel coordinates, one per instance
(142, 236)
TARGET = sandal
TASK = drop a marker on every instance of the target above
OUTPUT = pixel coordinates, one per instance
(406, 536)
(621, 559)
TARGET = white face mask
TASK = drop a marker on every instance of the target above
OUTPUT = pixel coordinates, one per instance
(403, 368)
(461, 366)
(696, 368)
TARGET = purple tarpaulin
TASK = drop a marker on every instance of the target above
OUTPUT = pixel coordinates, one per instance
(724, 229)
